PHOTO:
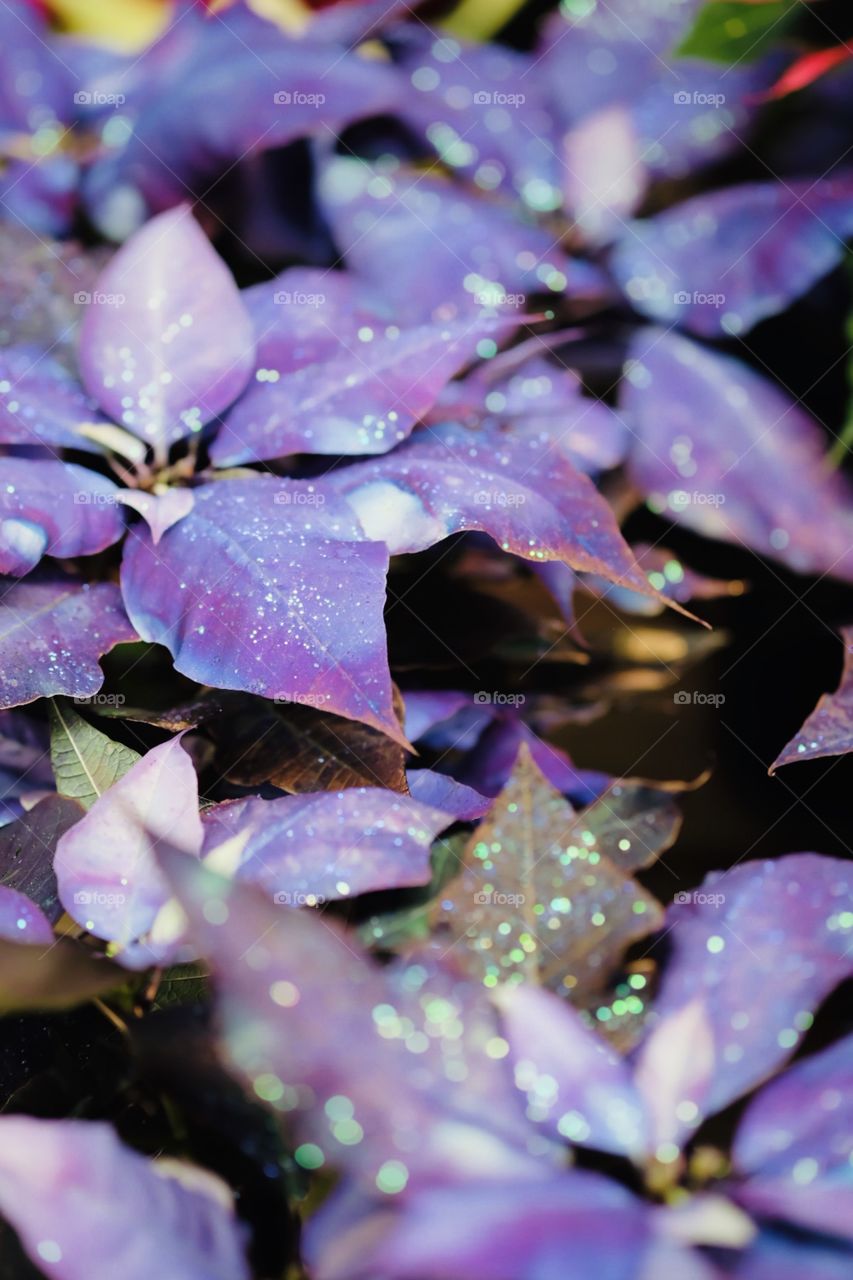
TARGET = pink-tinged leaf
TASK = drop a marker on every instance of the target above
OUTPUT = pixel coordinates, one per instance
(106, 866)
(674, 1072)
(575, 1085)
(159, 511)
(22, 920)
(517, 488)
(720, 263)
(571, 1228)
(749, 469)
(86, 1207)
(794, 1145)
(364, 399)
(41, 403)
(245, 592)
(439, 791)
(829, 729)
(480, 253)
(53, 630)
(808, 68)
(605, 174)
(166, 330)
(56, 509)
(311, 848)
(292, 1030)
(760, 947)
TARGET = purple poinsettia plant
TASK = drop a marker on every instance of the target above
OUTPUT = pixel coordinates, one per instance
(388, 396)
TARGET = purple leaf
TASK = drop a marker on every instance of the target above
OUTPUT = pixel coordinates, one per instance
(538, 397)
(53, 629)
(41, 403)
(305, 314)
(828, 731)
(760, 947)
(159, 511)
(720, 263)
(667, 575)
(163, 350)
(106, 866)
(749, 469)
(570, 1228)
(245, 593)
(314, 847)
(364, 399)
(782, 1256)
(214, 92)
(480, 109)
(795, 1144)
(22, 920)
(491, 764)
(430, 707)
(290, 1029)
(24, 762)
(86, 1207)
(479, 252)
(441, 792)
(632, 110)
(54, 508)
(517, 488)
(574, 1083)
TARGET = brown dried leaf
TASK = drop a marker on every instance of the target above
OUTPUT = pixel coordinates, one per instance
(537, 898)
(27, 848)
(55, 977)
(299, 748)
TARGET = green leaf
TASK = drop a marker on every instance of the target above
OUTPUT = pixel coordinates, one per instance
(182, 984)
(85, 761)
(844, 441)
(731, 31)
(538, 899)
